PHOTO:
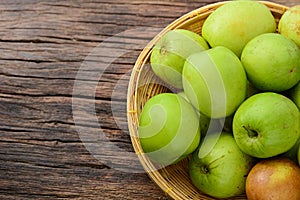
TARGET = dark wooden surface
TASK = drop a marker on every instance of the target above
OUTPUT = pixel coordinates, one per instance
(44, 45)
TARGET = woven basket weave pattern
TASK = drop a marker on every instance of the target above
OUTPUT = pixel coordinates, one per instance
(143, 85)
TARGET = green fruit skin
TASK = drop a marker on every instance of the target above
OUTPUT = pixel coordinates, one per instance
(289, 24)
(272, 62)
(235, 23)
(274, 118)
(295, 94)
(170, 52)
(215, 82)
(168, 128)
(222, 173)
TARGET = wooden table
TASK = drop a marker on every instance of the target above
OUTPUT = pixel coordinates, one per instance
(64, 71)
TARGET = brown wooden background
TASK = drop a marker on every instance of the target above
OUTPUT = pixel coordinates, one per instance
(43, 44)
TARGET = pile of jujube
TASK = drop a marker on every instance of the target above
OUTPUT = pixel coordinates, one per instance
(234, 107)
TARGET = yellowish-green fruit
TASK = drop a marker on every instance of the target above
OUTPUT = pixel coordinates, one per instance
(266, 125)
(235, 23)
(272, 62)
(289, 24)
(215, 82)
(170, 52)
(168, 128)
(222, 172)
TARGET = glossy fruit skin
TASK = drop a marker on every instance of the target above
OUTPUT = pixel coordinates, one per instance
(275, 179)
(266, 124)
(222, 172)
(235, 23)
(289, 24)
(168, 128)
(272, 62)
(170, 52)
(215, 82)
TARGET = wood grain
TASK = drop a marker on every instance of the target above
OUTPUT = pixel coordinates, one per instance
(43, 46)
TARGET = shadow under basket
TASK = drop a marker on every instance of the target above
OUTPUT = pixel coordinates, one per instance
(174, 180)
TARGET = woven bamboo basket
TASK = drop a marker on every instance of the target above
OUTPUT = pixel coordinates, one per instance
(144, 84)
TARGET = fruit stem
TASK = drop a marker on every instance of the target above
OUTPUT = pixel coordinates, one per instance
(204, 169)
(251, 133)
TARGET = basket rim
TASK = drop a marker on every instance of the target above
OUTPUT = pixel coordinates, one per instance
(133, 86)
